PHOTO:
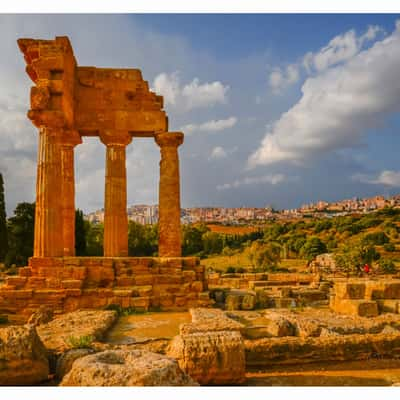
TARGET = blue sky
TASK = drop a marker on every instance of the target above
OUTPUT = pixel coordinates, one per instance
(277, 109)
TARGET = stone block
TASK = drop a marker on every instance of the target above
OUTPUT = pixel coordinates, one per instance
(197, 286)
(361, 308)
(166, 300)
(25, 271)
(142, 280)
(72, 261)
(72, 284)
(232, 302)
(142, 303)
(210, 357)
(168, 279)
(123, 292)
(73, 292)
(349, 290)
(16, 281)
(188, 276)
(392, 290)
(390, 306)
(125, 281)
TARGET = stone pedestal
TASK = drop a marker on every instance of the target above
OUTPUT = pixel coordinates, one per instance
(48, 215)
(169, 225)
(115, 198)
(70, 140)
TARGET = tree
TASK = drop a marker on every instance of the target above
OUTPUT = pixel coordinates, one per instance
(312, 247)
(212, 243)
(3, 223)
(142, 239)
(80, 234)
(94, 239)
(350, 257)
(265, 256)
(192, 242)
(21, 231)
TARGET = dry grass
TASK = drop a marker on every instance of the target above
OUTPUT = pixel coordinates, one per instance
(221, 263)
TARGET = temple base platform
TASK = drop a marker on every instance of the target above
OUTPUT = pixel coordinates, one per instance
(70, 283)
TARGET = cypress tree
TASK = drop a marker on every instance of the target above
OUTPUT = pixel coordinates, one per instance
(80, 234)
(3, 223)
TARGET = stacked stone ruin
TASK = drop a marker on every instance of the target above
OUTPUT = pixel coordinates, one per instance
(69, 102)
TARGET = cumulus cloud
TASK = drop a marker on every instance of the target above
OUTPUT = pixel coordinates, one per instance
(386, 177)
(272, 179)
(280, 78)
(219, 152)
(210, 126)
(340, 49)
(337, 106)
(189, 96)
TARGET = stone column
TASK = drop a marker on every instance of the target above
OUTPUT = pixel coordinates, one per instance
(115, 198)
(69, 141)
(169, 204)
(48, 240)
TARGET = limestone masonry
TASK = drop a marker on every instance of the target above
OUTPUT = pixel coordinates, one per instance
(69, 102)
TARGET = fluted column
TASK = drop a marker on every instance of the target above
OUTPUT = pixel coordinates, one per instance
(115, 198)
(169, 204)
(48, 240)
(69, 141)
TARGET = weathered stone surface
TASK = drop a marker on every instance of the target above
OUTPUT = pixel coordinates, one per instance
(55, 334)
(65, 361)
(210, 357)
(126, 368)
(23, 358)
(292, 350)
(204, 320)
(350, 290)
(362, 308)
(169, 243)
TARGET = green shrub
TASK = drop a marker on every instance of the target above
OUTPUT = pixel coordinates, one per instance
(240, 270)
(375, 238)
(80, 342)
(390, 247)
(387, 266)
(3, 319)
(230, 270)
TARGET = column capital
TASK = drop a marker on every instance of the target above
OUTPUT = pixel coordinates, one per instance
(115, 138)
(169, 139)
(70, 138)
(66, 137)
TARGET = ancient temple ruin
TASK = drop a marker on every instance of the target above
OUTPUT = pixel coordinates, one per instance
(69, 102)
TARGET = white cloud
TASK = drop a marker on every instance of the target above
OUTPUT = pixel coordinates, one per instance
(210, 126)
(340, 49)
(337, 106)
(272, 179)
(279, 79)
(190, 96)
(386, 177)
(218, 152)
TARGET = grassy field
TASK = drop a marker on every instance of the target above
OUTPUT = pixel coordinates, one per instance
(221, 263)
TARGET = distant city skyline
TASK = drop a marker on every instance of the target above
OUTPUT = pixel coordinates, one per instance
(148, 213)
(273, 113)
